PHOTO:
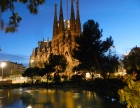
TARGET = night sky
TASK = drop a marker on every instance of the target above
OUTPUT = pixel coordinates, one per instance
(118, 18)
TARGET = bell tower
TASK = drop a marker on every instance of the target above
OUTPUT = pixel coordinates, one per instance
(66, 31)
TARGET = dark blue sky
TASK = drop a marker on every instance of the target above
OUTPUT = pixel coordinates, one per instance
(118, 18)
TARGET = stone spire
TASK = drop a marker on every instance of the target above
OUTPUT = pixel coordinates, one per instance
(48, 42)
(72, 18)
(32, 55)
(61, 19)
(55, 25)
(78, 23)
(33, 52)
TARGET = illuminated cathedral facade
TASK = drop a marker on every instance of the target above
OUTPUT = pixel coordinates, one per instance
(63, 39)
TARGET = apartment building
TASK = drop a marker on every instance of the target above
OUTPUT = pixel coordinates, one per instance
(8, 68)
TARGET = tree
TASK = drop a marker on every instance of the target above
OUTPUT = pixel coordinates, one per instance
(109, 64)
(47, 70)
(130, 93)
(131, 61)
(31, 72)
(15, 19)
(57, 64)
(90, 49)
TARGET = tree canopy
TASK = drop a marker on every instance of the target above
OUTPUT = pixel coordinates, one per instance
(131, 92)
(31, 72)
(109, 64)
(131, 61)
(14, 19)
(91, 50)
(58, 62)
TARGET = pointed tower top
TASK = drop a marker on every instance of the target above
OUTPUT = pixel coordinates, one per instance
(77, 3)
(55, 27)
(67, 9)
(72, 18)
(77, 7)
(61, 10)
(60, 2)
(33, 52)
(72, 4)
(72, 9)
(78, 22)
(55, 8)
(61, 19)
(33, 49)
(48, 42)
(48, 39)
(55, 12)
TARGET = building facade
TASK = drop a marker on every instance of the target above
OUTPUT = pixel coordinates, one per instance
(40, 54)
(63, 38)
(11, 68)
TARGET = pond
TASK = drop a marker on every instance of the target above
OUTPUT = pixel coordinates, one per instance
(50, 98)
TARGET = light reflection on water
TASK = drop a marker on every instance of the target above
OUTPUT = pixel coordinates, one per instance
(48, 98)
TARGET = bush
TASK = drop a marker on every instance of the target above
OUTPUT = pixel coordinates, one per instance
(77, 78)
(57, 78)
(130, 93)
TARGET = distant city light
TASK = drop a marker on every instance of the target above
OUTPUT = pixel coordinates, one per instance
(87, 75)
(29, 106)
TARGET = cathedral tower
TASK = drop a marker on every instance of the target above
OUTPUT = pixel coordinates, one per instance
(55, 25)
(72, 18)
(78, 22)
(63, 37)
(63, 42)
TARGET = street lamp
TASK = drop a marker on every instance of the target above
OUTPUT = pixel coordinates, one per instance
(2, 66)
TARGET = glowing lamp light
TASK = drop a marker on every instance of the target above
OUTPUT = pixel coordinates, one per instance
(87, 75)
(2, 66)
(29, 106)
(32, 63)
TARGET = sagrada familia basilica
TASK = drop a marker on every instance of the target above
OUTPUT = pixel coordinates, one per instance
(63, 39)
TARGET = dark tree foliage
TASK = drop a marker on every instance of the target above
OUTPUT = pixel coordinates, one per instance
(15, 19)
(31, 72)
(130, 93)
(109, 64)
(132, 61)
(58, 62)
(77, 78)
(56, 77)
(47, 70)
(91, 50)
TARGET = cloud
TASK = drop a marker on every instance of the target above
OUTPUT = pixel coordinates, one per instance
(15, 58)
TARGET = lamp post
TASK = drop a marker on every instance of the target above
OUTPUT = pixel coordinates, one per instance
(2, 66)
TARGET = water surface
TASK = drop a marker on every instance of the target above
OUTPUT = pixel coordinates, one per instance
(48, 98)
